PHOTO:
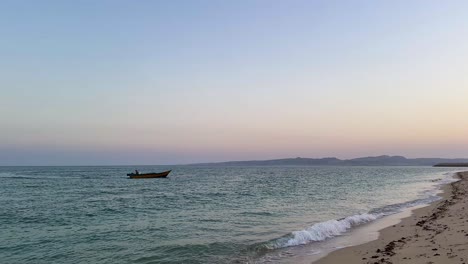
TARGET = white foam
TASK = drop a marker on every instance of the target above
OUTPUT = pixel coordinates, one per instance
(436, 188)
(449, 178)
(328, 229)
(332, 228)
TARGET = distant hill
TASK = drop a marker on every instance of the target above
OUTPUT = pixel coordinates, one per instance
(383, 160)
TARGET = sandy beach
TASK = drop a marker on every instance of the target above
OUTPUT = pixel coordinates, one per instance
(437, 233)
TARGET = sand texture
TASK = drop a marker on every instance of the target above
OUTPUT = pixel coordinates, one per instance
(434, 234)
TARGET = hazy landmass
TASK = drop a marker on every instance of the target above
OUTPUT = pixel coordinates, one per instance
(364, 161)
(453, 164)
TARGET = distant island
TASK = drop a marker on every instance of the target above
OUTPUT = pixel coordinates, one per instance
(451, 165)
(383, 160)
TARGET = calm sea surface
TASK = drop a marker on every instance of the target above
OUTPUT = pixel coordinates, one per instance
(198, 214)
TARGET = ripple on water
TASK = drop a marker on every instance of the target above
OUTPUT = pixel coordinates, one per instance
(198, 215)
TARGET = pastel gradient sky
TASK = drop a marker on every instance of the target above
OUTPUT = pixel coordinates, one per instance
(165, 82)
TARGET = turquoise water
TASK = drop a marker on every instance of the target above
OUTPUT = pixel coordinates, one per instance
(198, 214)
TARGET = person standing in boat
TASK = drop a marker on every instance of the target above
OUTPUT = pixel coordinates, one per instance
(137, 172)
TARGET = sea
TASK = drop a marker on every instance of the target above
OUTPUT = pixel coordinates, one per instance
(274, 214)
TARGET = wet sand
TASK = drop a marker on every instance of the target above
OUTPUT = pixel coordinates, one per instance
(437, 233)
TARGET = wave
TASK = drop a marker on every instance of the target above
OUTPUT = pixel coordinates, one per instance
(328, 229)
(333, 228)
(449, 177)
(319, 231)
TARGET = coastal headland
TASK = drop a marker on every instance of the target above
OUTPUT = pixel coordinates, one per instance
(451, 165)
(434, 234)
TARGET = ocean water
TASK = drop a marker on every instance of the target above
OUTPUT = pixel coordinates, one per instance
(198, 214)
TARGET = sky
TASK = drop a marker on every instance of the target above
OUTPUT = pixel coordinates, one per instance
(174, 82)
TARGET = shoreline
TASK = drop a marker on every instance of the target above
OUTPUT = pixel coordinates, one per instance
(431, 234)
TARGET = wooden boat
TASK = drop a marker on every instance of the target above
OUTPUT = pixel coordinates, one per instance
(149, 175)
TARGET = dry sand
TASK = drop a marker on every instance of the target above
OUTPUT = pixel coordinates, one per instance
(434, 234)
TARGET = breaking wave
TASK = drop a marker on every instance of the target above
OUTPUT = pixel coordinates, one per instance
(332, 228)
(320, 231)
(328, 229)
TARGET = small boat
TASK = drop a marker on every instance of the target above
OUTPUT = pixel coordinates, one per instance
(149, 175)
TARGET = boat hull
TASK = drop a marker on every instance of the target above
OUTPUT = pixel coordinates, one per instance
(149, 175)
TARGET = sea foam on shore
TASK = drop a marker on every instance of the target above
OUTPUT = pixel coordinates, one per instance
(433, 234)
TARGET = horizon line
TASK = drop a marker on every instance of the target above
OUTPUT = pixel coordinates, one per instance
(227, 161)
